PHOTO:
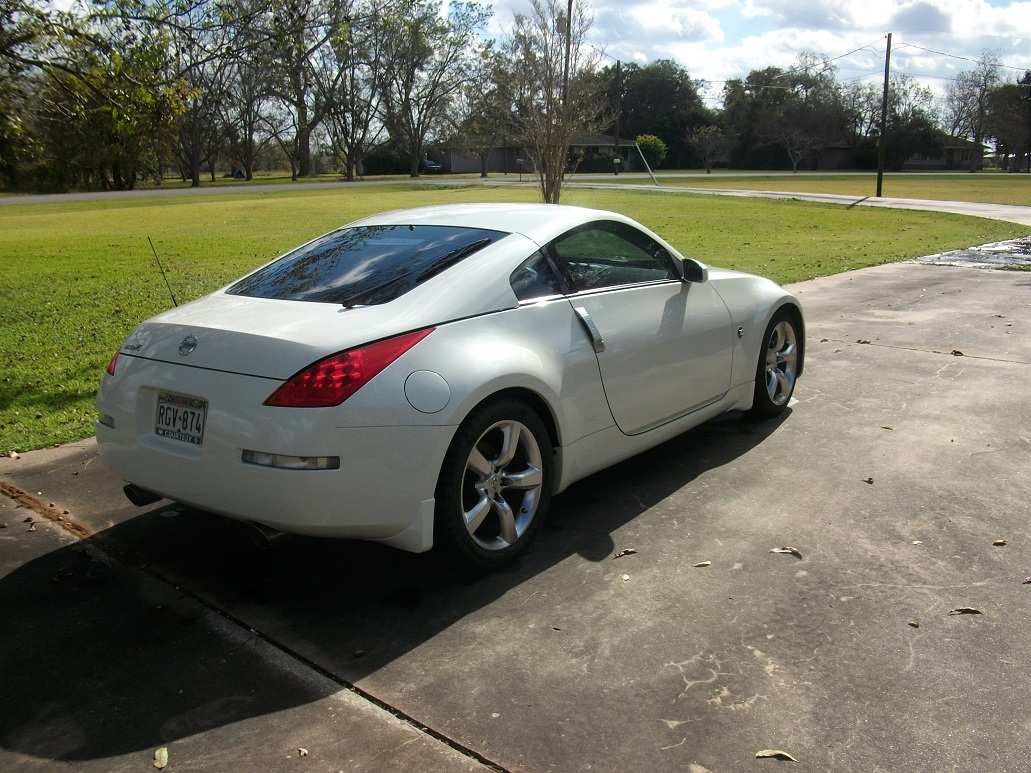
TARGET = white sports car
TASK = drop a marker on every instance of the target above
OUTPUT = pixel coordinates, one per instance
(435, 375)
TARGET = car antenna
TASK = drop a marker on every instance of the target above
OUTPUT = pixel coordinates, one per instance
(162, 270)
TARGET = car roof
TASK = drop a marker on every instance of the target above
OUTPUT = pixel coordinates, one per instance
(539, 222)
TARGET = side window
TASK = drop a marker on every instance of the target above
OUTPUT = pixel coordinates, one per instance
(610, 254)
(534, 279)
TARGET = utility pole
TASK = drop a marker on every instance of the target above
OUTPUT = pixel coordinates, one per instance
(884, 118)
(569, 46)
(619, 100)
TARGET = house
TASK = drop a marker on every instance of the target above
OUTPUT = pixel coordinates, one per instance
(956, 154)
(509, 155)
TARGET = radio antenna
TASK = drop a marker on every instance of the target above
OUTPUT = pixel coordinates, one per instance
(162, 270)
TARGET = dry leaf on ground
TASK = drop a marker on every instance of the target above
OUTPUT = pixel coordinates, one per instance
(776, 754)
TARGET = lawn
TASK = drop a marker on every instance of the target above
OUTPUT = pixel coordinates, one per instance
(988, 187)
(79, 275)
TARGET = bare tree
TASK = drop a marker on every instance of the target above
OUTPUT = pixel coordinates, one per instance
(710, 144)
(429, 59)
(966, 102)
(353, 120)
(482, 115)
(554, 86)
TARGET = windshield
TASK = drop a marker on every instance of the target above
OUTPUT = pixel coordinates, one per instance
(364, 266)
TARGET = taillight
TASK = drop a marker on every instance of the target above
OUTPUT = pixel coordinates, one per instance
(330, 381)
(111, 365)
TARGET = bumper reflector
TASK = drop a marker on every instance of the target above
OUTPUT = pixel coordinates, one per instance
(291, 462)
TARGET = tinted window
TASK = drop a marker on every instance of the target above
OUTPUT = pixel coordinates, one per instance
(610, 254)
(535, 279)
(364, 266)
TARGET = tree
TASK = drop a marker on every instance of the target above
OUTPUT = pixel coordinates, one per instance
(353, 119)
(802, 131)
(652, 148)
(246, 95)
(858, 111)
(297, 34)
(553, 87)
(429, 59)
(966, 102)
(1009, 119)
(662, 99)
(912, 127)
(109, 100)
(199, 46)
(484, 115)
(776, 118)
(710, 144)
(23, 32)
(750, 107)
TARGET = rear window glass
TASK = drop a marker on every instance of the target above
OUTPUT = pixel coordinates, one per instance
(364, 266)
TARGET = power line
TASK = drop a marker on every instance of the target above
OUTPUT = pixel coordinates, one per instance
(962, 58)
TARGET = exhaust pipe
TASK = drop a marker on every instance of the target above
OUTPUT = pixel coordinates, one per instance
(140, 496)
(264, 537)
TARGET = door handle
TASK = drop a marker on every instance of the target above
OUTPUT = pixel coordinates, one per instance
(591, 328)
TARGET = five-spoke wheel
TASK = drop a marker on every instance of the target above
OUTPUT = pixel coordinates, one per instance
(777, 366)
(495, 483)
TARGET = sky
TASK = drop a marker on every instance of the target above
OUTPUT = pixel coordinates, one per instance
(716, 40)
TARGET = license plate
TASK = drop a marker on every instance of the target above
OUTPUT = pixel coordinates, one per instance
(180, 418)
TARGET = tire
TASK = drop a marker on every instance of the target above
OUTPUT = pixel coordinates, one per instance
(495, 484)
(777, 368)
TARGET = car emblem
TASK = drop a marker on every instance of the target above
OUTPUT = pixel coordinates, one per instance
(187, 345)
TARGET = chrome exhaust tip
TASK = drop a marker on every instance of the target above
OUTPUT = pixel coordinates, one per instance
(264, 537)
(140, 496)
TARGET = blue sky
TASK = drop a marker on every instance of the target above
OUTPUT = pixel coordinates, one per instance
(932, 40)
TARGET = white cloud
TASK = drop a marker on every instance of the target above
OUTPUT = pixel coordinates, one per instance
(716, 40)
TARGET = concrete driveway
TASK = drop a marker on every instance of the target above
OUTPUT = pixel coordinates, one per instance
(901, 477)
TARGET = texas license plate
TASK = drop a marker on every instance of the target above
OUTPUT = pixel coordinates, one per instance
(180, 418)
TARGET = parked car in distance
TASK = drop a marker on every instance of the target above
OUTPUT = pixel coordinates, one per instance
(430, 166)
(432, 377)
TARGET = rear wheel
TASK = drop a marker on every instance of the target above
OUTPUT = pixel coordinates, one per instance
(777, 367)
(495, 484)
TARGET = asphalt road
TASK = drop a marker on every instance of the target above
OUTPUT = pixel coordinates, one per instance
(1008, 212)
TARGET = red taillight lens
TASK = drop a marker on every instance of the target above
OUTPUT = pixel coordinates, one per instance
(111, 365)
(331, 381)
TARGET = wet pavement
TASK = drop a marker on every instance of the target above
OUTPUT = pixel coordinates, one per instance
(1011, 254)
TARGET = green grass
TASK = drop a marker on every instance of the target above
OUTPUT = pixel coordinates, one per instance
(987, 187)
(78, 276)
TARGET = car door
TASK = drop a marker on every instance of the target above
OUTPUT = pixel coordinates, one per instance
(664, 346)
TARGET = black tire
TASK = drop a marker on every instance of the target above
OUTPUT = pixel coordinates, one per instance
(777, 368)
(495, 484)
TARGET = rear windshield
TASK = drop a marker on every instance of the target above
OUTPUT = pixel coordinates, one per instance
(366, 265)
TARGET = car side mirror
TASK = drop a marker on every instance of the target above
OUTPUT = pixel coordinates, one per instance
(692, 270)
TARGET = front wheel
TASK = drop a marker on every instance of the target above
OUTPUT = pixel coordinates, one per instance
(777, 367)
(495, 484)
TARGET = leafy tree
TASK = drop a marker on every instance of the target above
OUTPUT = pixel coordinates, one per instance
(109, 102)
(23, 35)
(663, 100)
(1009, 119)
(750, 108)
(653, 149)
(912, 126)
